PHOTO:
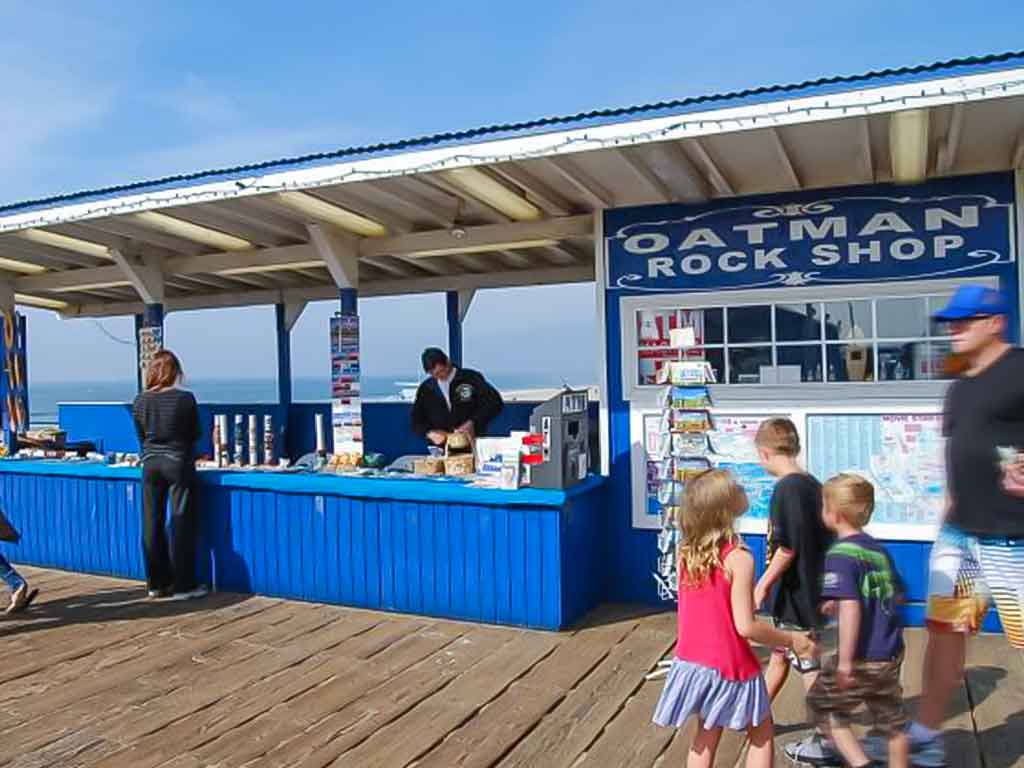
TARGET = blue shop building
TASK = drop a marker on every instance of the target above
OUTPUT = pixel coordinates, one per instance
(806, 232)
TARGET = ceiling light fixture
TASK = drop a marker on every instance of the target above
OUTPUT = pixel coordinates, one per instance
(65, 242)
(39, 301)
(492, 192)
(24, 267)
(320, 210)
(482, 248)
(195, 232)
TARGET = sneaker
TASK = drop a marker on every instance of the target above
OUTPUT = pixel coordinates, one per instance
(156, 594)
(930, 753)
(192, 594)
(814, 750)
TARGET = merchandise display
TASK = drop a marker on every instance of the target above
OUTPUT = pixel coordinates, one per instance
(346, 397)
(239, 457)
(151, 341)
(254, 437)
(268, 439)
(684, 452)
(14, 383)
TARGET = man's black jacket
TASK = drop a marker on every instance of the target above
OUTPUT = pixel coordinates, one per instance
(473, 399)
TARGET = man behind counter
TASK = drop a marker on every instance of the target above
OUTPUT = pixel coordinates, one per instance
(452, 400)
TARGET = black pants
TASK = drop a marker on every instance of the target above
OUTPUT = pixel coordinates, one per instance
(163, 475)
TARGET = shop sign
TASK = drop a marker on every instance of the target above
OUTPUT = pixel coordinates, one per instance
(943, 229)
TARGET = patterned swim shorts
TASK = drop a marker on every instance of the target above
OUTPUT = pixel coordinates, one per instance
(876, 685)
(965, 573)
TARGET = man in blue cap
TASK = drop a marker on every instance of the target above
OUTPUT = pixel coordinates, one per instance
(979, 552)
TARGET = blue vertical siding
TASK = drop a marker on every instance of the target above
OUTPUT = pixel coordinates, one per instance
(77, 524)
(532, 566)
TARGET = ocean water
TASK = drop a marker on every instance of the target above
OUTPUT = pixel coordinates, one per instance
(44, 396)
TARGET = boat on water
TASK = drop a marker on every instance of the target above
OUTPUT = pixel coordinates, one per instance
(407, 390)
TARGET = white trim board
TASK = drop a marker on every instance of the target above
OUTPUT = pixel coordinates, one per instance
(754, 393)
(604, 418)
(852, 104)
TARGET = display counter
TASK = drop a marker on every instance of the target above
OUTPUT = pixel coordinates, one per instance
(433, 547)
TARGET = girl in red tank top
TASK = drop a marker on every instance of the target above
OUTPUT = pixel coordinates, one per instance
(715, 674)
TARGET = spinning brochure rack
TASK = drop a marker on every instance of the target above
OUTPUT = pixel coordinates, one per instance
(683, 453)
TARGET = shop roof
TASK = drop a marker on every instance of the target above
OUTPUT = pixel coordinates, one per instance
(505, 204)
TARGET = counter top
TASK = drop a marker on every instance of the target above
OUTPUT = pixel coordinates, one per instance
(399, 488)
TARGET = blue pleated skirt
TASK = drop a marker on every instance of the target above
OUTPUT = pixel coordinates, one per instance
(691, 689)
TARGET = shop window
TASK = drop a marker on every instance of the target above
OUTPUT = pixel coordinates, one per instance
(902, 318)
(798, 322)
(855, 340)
(848, 320)
(750, 324)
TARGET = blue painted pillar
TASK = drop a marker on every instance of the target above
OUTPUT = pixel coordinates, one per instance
(284, 357)
(349, 301)
(152, 317)
(454, 328)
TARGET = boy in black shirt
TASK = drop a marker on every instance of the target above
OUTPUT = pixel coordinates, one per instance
(790, 587)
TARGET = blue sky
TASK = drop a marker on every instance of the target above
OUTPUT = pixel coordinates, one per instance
(100, 93)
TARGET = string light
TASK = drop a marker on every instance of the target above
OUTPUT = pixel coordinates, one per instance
(111, 336)
(563, 146)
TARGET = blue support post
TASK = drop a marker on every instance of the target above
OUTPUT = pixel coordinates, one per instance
(454, 328)
(284, 357)
(349, 301)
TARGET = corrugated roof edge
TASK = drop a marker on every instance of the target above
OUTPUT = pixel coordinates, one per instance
(456, 137)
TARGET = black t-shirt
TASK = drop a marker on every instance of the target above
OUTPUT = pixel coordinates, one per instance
(983, 413)
(795, 524)
(167, 423)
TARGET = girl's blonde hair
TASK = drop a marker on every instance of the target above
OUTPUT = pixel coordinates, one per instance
(711, 505)
(851, 497)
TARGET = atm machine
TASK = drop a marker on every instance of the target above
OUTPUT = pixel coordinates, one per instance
(558, 454)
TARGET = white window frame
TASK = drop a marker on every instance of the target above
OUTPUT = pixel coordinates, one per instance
(878, 392)
(800, 416)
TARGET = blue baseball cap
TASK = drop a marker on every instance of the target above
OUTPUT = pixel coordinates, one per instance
(974, 301)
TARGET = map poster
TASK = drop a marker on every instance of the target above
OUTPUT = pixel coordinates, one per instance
(902, 454)
(732, 445)
(732, 448)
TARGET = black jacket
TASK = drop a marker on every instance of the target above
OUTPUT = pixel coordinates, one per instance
(473, 399)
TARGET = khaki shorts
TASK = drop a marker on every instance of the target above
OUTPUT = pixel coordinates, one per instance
(876, 686)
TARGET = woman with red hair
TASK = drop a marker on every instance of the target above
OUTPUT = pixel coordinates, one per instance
(167, 422)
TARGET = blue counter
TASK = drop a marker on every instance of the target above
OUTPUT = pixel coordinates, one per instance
(433, 547)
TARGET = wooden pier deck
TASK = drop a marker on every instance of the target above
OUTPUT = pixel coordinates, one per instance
(95, 675)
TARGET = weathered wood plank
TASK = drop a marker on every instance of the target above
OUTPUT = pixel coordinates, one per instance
(359, 717)
(995, 682)
(151, 741)
(101, 678)
(499, 726)
(402, 741)
(570, 728)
